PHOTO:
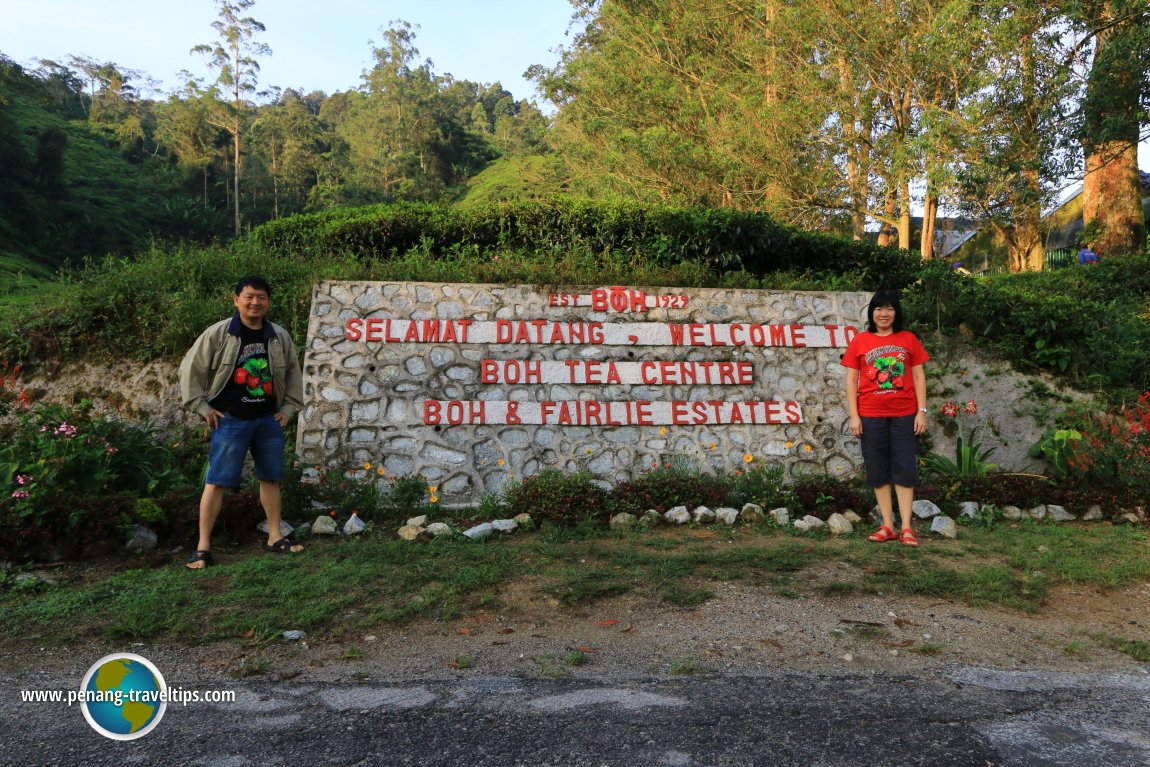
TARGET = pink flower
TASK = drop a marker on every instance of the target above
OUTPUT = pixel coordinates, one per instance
(969, 407)
(950, 410)
(21, 479)
(19, 494)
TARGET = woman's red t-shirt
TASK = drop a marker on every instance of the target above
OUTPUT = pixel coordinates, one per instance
(886, 387)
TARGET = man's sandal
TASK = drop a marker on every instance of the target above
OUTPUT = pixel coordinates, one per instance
(202, 557)
(284, 545)
(882, 535)
(907, 537)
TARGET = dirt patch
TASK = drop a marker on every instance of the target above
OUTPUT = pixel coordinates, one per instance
(809, 621)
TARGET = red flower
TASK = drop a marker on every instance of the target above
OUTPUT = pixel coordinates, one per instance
(950, 410)
(969, 407)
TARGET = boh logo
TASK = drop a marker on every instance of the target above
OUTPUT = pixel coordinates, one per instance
(123, 696)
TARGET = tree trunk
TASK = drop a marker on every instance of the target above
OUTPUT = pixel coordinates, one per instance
(1112, 200)
(904, 215)
(929, 214)
(886, 233)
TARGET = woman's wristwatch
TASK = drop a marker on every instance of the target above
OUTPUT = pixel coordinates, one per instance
(923, 410)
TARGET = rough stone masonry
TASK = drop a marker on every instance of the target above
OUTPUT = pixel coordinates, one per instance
(473, 386)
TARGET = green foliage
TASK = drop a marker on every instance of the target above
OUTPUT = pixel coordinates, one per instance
(69, 477)
(674, 484)
(762, 484)
(565, 500)
(1115, 448)
(971, 459)
(1057, 446)
(821, 495)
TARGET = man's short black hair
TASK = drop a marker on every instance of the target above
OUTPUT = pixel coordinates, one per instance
(255, 281)
(885, 297)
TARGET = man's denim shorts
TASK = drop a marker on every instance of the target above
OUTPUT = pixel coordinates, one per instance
(890, 451)
(231, 442)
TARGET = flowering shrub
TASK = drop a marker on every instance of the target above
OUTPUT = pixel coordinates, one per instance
(564, 499)
(61, 467)
(13, 396)
(667, 487)
(970, 458)
(1115, 447)
(821, 495)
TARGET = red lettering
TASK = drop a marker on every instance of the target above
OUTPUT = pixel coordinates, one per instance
(849, 332)
(387, 336)
(676, 333)
(736, 333)
(695, 330)
(412, 334)
(546, 409)
(513, 413)
(595, 332)
(831, 330)
(679, 412)
(613, 374)
(503, 331)
(644, 369)
(430, 412)
(592, 413)
(793, 412)
(758, 335)
(599, 300)
(374, 329)
(488, 372)
(643, 413)
(798, 336)
(353, 329)
(746, 374)
(778, 335)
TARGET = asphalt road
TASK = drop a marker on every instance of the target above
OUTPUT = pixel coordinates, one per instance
(954, 716)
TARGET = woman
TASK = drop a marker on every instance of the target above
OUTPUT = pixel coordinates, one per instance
(886, 397)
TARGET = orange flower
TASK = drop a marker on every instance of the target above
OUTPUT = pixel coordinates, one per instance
(379, 471)
(808, 448)
(367, 466)
(747, 458)
(789, 444)
(662, 429)
(501, 462)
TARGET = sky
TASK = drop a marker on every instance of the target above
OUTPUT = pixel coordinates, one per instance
(322, 45)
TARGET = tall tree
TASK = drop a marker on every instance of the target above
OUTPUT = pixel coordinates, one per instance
(234, 59)
(1114, 111)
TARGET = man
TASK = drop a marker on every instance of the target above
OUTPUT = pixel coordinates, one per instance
(1086, 256)
(243, 377)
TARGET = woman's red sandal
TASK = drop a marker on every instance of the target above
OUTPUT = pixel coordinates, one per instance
(907, 537)
(882, 535)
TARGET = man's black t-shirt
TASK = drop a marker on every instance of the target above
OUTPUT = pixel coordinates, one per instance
(249, 392)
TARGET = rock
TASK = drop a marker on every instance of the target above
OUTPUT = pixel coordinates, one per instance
(751, 513)
(650, 519)
(1093, 514)
(479, 532)
(809, 522)
(410, 532)
(727, 515)
(851, 517)
(623, 521)
(504, 525)
(781, 515)
(436, 529)
(524, 521)
(876, 515)
(968, 509)
(677, 516)
(285, 528)
(1129, 518)
(324, 525)
(944, 526)
(1011, 513)
(143, 539)
(420, 521)
(924, 509)
(839, 525)
(703, 515)
(1059, 514)
(354, 525)
(1037, 512)
(294, 635)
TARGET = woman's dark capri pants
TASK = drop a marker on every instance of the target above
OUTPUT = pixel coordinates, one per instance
(890, 451)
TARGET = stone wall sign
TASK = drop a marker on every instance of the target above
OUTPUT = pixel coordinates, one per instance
(473, 386)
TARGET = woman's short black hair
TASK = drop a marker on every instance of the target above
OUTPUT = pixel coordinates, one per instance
(889, 298)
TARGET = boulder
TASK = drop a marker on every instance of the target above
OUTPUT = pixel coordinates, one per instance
(436, 529)
(944, 526)
(410, 532)
(839, 525)
(781, 515)
(285, 528)
(623, 521)
(809, 522)
(1059, 514)
(143, 539)
(703, 515)
(479, 532)
(968, 509)
(324, 525)
(677, 516)
(751, 513)
(727, 515)
(924, 509)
